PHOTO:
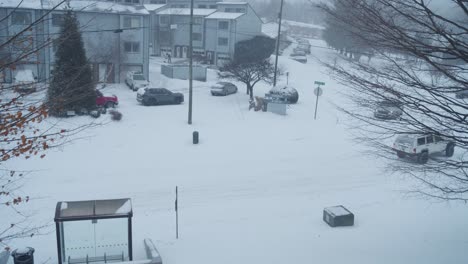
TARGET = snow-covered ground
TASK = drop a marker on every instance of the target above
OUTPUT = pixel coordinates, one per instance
(253, 190)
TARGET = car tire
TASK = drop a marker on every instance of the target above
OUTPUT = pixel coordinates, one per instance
(423, 157)
(109, 105)
(449, 150)
(401, 154)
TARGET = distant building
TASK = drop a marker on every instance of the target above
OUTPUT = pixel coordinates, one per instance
(217, 27)
(110, 51)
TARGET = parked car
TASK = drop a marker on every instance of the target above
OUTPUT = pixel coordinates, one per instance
(298, 53)
(156, 96)
(223, 89)
(421, 146)
(301, 59)
(136, 80)
(462, 94)
(287, 94)
(24, 82)
(106, 101)
(388, 110)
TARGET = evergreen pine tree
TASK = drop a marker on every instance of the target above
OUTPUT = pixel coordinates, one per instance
(72, 86)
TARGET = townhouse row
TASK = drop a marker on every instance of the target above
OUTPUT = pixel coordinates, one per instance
(121, 35)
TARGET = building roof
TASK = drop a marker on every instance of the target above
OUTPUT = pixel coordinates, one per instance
(154, 7)
(76, 5)
(31, 4)
(224, 15)
(95, 209)
(186, 11)
(232, 3)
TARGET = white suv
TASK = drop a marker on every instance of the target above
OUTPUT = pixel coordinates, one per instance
(421, 146)
(136, 80)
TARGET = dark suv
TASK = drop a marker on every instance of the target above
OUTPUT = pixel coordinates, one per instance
(157, 96)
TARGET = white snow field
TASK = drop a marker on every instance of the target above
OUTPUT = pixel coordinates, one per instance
(253, 190)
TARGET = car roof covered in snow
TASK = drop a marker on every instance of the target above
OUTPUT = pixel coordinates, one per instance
(224, 15)
(93, 209)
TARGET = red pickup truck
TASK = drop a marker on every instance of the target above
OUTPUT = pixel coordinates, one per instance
(106, 101)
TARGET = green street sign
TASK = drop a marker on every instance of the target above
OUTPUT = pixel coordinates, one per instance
(319, 83)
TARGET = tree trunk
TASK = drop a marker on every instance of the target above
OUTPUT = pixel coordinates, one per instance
(250, 91)
(247, 90)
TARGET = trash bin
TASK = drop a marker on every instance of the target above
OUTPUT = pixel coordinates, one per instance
(23, 255)
(195, 139)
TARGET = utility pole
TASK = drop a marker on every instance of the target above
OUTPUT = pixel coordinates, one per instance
(277, 42)
(190, 65)
(177, 212)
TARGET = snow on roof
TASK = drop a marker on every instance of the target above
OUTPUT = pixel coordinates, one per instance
(338, 210)
(93, 209)
(76, 5)
(186, 11)
(231, 3)
(270, 29)
(153, 7)
(224, 15)
(301, 24)
(29, 4)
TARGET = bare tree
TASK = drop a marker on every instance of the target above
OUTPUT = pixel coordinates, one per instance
(249, 73)
(436, 50)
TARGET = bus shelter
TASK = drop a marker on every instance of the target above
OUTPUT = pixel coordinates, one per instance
(97, 231)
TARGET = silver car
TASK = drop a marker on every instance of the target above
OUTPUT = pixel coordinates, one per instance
(223, 89)
(388, 110)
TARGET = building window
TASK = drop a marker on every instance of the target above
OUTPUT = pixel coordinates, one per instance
(164, 20)
(132, 47)
(201, 6)
(20, 18)
(213, 6)
(196, 36)
(158, 1)
(197, 20)
(223, 25)
(222, 41)
(230, 10)
(55, 44)
(57, 20)
(132, 1)
(240, 10)
(165, 37)
(131, 22)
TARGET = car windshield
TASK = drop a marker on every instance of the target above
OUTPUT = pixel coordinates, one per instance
(405, 139)
(138, 77)
(389, 104)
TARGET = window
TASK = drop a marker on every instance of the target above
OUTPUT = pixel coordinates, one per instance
(164, 20)
(164, 36)
(20, 18)
(421, 141)
(132, 47)
(197, 20)
(201, 6)
(223, 25)
(213, 6)
(222, 41)
(240, 10)
(438, 139)
(196, 36)
(55, 44)
(158, 1)
(57, 20)
(230, 10)
(429, 139)
(131, 22)
(132, 1)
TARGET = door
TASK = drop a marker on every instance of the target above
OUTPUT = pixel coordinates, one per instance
(184, 52)
(102, 69)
